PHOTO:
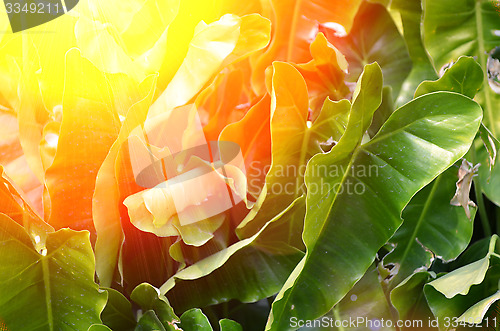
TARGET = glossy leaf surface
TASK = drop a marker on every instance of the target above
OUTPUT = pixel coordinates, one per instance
(56, 285)
(403, 137)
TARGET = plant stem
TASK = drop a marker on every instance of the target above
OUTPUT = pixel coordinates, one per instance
(479, 198)
(336, 315)
(497, 220)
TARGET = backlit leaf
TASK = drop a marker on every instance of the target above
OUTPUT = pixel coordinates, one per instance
(56, 285)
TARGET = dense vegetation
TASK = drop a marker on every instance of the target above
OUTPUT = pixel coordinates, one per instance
(315, 164)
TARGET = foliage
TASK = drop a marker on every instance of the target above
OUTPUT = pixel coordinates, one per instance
(247, 165)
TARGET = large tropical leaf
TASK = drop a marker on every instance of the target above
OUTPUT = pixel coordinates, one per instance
(256, 151)
(344, 231)
(249, 270)
(464, 77)
(372, 34)
(118, 312)
(468, 291)
(432, 228)
(366, 303)
(409, 300)
(106, 193)
(295, 22)
(367, 97)
(411, 16)
(55, 286)
(324, 74)
(89, 127)
(15, 205)
(472, 26)
(294, 141)
(220, 43)
(159, 310)
(14, 161)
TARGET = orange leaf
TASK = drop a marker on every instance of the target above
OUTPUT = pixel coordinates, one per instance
(324, 74)
(14, 161)
(295, 139)
(295, 27)
(252, 134)
(89, 126)
(219, 44)
(217, 103)
(107, 208)
(15, 205)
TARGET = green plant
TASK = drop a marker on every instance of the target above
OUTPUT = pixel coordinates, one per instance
(364, 191)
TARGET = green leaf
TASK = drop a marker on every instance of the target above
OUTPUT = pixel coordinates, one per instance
(118, 312)
(54, 287)
(249, 270)
(460, 280)
(489, 171)
(454, 293)
(476, 313)
(472, 25)
(149, 322)
(365, 300)
(432, 228)
(367, 98)
(474, 252)
(229, 325)
(411, 15)
(409, 300)
(464, 77)
(194, 319)
(361, 308)
(250, 274)
(324, 132)
(375, 38)
(149, 299)
(383, 112)
(343, 231)
(294, 142)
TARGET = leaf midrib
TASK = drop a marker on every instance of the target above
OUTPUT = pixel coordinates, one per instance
(420, 221)
(47, 288)
(293, 31)
(309, 250)
(354, 155)
(358, 148)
